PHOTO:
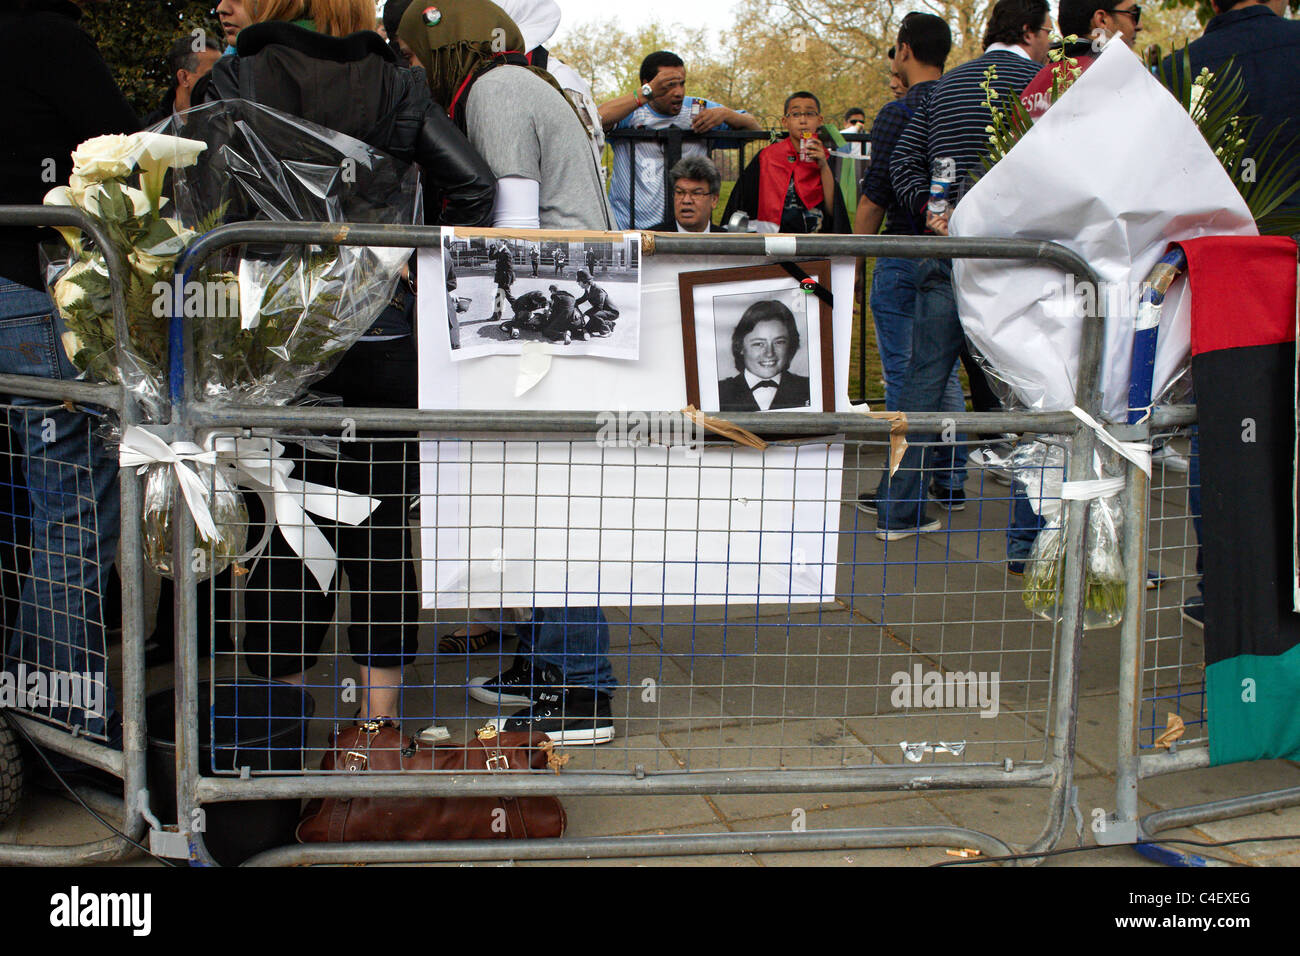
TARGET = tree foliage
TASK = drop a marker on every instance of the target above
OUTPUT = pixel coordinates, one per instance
(134, 37)
(835, 48)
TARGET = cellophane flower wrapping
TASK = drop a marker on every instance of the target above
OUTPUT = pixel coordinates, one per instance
(117, 181)
(1039, 468)
(270, 319)
(264, 321)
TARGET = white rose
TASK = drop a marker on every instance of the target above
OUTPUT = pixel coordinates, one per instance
(105, 157)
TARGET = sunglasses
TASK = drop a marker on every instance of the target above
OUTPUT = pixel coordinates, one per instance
(1135, 12)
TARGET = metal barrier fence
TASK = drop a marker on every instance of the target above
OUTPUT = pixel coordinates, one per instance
(1162, 675)
(62, 504)
(747, 699)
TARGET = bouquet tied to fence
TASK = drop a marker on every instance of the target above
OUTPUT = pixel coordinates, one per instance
(261, 322)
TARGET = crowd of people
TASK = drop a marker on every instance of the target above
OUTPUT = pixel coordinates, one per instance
(508, 136)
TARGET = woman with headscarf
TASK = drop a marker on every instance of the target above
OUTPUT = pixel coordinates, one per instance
(333, 70)
(529, 133)
(513, 113)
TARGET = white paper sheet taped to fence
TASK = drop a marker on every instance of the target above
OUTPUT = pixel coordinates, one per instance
(553, 523)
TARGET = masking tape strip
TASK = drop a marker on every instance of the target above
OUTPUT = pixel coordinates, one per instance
(724, 428)
(779, 245)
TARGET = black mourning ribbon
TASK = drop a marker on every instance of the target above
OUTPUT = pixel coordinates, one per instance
(818, 289)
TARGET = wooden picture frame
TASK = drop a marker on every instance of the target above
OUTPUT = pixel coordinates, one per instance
(715, 301)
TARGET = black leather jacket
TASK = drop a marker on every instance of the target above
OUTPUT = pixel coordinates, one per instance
(354, 85)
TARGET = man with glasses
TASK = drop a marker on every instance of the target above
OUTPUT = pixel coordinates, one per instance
(1095, 25)
(696, 189)
(790, 183)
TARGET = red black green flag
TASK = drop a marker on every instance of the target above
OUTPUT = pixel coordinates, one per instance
(1244, 369)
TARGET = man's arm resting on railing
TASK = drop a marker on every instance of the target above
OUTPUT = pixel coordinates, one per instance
(619, 108)
(738, 120)
(867, 220)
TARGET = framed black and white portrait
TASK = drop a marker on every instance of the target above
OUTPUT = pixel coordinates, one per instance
(758, 338)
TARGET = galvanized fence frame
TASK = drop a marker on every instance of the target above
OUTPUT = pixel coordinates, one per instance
(1055, 774)
(129, 763)
(1135, 763)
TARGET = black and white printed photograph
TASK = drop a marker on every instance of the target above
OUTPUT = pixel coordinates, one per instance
(584, 297)
(767, 348)
(756, 341)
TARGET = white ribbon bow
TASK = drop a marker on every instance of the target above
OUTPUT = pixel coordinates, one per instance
(257, 463)
(260, 466)
(142, 447)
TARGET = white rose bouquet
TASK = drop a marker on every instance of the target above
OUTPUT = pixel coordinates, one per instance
(263, 321)
(132, 217)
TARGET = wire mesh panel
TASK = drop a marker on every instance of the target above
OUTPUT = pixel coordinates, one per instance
(58, 540)
(1173, 678)
(669, 623)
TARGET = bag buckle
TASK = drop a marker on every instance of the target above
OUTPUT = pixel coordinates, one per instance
(355, 761)
(498, 762)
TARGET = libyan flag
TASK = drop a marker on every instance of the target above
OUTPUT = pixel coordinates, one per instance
(1244, 367)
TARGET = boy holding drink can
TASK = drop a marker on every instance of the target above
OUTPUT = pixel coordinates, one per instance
(790, 183)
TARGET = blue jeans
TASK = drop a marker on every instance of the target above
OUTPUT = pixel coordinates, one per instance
(574, 640)
(937, 339)
(71, 480)
(1024, 526)
(893, 306)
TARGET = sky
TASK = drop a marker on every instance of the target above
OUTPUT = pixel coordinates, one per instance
(630, 16)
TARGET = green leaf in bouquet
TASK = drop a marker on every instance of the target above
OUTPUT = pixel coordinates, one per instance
(113, 204)
(164, 237)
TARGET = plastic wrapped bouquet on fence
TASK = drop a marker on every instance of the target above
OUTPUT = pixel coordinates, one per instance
(1039, 468)
(133, 217)
(270, 320)
(263, 322)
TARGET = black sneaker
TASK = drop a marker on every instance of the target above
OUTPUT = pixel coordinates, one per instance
(1194, 610)
(867, 502)
(572, 716)
(949, 499)
(513, 686)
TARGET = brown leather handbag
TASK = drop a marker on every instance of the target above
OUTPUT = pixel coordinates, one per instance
(378, 746)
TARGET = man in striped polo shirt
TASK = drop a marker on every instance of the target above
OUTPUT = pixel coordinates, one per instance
(950, 126)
